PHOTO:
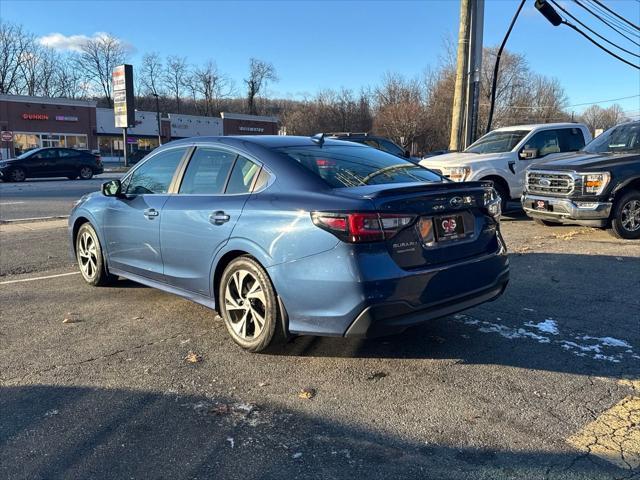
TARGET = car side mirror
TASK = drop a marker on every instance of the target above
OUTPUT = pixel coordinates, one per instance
(112, 188)
(529, 153)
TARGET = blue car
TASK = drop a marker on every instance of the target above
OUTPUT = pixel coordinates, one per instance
(288, 235)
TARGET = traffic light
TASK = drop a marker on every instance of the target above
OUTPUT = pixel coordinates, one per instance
(549, 12)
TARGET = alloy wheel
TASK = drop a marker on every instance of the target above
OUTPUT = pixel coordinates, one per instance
(88, 255)
(17, 175)
(86, 173)
(630, 216)
(246, 304)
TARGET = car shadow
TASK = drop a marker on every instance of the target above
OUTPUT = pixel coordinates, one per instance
(561, 312)
(61, 432)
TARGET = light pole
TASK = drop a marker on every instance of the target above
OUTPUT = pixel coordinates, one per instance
(158, 117)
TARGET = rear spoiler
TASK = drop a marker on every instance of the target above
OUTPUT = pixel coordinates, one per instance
(427, 188)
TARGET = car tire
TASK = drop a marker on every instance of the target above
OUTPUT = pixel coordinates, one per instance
(85, 173)
(547, 223)
(90, 257)
(17, 175)
(625, 221)
(248, 304)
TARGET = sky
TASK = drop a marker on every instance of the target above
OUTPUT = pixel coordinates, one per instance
(334, 44)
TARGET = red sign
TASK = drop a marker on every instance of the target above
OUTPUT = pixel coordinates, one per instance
(35, 116)
(6, 136)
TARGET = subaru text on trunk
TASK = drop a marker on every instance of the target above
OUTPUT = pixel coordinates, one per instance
(295, 235)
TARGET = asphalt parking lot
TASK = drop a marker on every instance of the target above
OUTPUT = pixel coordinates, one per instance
(130, 382)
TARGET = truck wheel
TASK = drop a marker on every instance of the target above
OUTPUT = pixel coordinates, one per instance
(625, 221)
(504, 195)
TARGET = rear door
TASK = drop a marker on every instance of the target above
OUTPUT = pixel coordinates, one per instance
(198, 221)
(131, 223)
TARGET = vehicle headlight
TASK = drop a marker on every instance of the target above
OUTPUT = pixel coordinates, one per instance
(493, 203)
(595, 183)
(457, 174)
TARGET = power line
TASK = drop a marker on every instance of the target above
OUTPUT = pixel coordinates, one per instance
(568, 106)
(616, 14)
(605, 22)
(593, 31)
(570, 25)
(614, 20)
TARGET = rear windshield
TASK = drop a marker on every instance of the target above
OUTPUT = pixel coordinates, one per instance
(497, 142)
(620, 139)
(353, 166)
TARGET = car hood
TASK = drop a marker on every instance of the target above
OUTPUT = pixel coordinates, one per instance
(586, 161)
(460, 159)
(8, 160)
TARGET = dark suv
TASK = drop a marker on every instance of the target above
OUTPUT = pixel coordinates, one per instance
(598, 186)
(379, 143)
(51, 162)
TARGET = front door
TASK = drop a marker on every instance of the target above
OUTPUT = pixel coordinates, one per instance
(198, 221)
(132, 223)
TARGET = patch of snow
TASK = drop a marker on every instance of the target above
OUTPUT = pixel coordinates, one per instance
(609, 358)
(567, 345)
(608, 341)
(548, 326)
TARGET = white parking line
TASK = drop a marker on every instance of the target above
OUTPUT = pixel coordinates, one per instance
(10, 203)
(8, 282)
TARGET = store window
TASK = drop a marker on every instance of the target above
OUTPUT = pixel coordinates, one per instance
(23, 142)
(79, 142)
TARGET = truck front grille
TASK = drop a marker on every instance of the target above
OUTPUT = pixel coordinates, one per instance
(550, 183)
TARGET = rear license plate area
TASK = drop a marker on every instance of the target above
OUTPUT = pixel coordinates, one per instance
(449, 227)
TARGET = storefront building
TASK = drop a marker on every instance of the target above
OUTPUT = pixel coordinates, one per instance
(33, 122)
(143, 136)
(46, 122)
(185, 126)
(241, 124)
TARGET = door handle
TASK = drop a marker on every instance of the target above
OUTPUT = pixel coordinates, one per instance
(218, 218)
(150, 213)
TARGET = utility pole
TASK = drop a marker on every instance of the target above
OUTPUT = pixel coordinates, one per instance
(459, 96)
(158, 117)
(475, 70)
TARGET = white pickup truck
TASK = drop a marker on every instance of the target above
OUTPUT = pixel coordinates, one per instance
(504, 154)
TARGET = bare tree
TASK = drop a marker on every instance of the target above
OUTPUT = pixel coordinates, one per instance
(69, 81)
(595, 117)
(97, 59)
(260, 72)
(175, 77)
(212, 86)
(151, 72)
(400, 109)
(15, 43)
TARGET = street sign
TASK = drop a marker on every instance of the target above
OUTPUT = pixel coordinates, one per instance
(6, 136)
(123, 106)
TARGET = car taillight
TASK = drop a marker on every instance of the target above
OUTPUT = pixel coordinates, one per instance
(362, 227)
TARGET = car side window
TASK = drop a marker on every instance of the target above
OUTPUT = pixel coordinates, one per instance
(207, 171)
(391, 148)
(372, 143)
(545, 142)
(154, 176)
(571, 139)
(45, 154)
(242, 177)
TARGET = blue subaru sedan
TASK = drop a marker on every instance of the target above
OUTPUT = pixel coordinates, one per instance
(288, 235)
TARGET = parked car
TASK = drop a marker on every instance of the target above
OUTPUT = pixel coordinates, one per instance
(51, 162)
(598, 186)
(295, 235)
(504, 154)
(379, 143)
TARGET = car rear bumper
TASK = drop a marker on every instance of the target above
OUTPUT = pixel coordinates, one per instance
(565, 210)
(389, 318)
(360, 291)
